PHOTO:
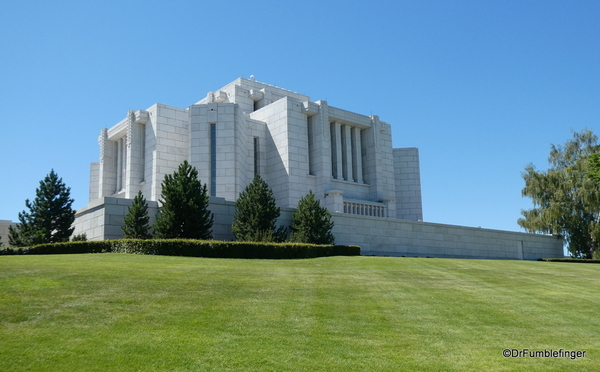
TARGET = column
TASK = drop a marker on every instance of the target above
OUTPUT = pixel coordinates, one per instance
(348, 157)
(338, 150)
(107, 172)
(358, 176)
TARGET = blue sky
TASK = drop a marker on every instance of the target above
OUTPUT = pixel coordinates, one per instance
(482, 88)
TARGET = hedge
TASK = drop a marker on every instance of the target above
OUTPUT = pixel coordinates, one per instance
(61, 248)
(192, 248)
(580, 260)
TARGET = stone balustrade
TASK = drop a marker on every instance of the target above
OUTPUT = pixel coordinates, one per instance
(363, 208)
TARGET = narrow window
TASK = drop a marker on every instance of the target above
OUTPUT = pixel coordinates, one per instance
(344, 154)
(256, 157)
(334, 170)
(213, 159)
(311, 146)
(143, 150)
(354, 155)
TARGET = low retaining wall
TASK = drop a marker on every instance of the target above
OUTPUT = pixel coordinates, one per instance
(103, 218)
(4, 224)
(393, 237)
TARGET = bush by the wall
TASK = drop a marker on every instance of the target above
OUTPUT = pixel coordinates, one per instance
(191, 248)
(219, 249)
(580, 260)
(60, 248)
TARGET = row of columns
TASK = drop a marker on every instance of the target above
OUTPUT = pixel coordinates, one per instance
(346, 152)
(122, 160)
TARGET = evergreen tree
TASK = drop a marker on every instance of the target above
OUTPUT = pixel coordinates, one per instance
(50, 215)
(256, 213)
(184, 212)
(312, 223)
(135, 225)
(566, 197)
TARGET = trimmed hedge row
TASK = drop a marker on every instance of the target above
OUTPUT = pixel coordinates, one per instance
(192, 248)
(61, 248)
(580, 260)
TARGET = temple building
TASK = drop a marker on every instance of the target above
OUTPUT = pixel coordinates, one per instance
(246, 128)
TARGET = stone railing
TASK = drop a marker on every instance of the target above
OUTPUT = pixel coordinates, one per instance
(365, 208)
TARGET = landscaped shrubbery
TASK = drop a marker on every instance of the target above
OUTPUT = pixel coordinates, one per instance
(61, 248)
(191, 248)
(584, 260)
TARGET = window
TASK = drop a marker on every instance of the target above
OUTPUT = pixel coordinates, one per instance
(213, 159)
(143, 150)
(334, 162)
(311, 145)
(256, 156)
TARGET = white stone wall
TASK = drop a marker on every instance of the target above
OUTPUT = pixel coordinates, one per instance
(168, 146)
(103, 218)
(375, 235)
(4, 224)
(407, 175)
(393, 237)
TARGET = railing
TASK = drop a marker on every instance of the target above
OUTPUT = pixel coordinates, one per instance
(365, 209)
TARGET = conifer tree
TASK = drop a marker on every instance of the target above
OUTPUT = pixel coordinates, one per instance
(184, 213)
(50, 215)
(312, 223)
(256, 213)
(135, 225)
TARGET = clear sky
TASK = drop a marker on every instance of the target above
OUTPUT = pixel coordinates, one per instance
(482, 88)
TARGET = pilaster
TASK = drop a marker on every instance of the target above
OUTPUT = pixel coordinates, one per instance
(347, 137)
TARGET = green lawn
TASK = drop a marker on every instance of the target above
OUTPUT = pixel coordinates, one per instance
(118, 312)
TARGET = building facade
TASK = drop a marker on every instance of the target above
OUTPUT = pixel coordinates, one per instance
(295, 144)
(248, 128)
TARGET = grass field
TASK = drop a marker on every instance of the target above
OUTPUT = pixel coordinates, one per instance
(118, 312)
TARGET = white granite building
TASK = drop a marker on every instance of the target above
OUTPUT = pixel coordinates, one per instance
(296, 145)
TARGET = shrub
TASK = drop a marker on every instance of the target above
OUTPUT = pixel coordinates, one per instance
(580, 260)
(312, 223)
(256, 213)
(191, 248)
(135, 225)
(184, 213)
(79, 238)
(219, 249)
(60, 248)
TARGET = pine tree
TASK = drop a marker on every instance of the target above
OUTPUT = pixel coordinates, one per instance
(135, 225)
(256, 213)
(50, 215)
(184, 213)
(312, 223)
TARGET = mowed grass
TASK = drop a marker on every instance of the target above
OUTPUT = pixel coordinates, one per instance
(118, 312)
